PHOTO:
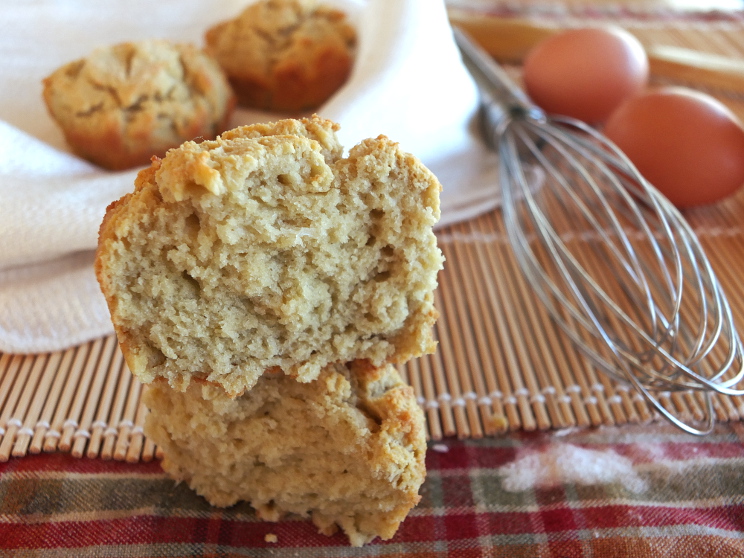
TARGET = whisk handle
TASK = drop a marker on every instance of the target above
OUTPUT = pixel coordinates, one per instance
(503, 98)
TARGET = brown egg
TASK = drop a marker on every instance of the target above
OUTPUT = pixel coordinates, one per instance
(687, 144)
(585, 73)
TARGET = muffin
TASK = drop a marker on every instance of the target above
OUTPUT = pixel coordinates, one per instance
(346, 450)
(267, 250)
(125, 103)
(284, 55)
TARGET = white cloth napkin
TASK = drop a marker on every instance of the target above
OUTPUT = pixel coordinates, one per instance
(408, 83)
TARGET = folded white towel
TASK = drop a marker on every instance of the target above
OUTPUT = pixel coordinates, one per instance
(408, 83)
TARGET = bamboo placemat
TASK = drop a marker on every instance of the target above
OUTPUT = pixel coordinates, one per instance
(501, 364)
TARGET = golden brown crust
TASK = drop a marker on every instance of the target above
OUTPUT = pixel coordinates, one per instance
(347, 449)
(284, 55)
(125, 103)
(319, 129)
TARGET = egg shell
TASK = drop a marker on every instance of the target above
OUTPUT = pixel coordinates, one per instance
(689, 145)
(585, 73)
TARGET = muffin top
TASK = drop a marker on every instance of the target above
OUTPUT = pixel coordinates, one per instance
(284, 54)
(124, 103)
(267, 250)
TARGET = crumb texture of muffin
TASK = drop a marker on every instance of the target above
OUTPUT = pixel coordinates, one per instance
(266, 249)
(347, 450)
(124, 104)
(284, 55)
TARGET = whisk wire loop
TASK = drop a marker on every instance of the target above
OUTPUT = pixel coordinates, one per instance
(614, 263)
(623, 253)
(618, 242)
(571, 270)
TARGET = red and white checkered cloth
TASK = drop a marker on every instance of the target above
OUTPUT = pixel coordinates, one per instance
(630, 492)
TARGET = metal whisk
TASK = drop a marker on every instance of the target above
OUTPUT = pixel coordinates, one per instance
(615, 264)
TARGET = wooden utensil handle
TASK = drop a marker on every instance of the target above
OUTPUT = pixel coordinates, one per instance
(509, 39)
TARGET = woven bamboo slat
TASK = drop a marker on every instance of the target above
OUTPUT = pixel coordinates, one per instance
(501, 365)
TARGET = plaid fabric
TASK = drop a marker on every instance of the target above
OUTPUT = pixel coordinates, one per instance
(673, 496)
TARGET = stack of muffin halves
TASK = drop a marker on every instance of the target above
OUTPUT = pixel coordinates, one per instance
(263, 286)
